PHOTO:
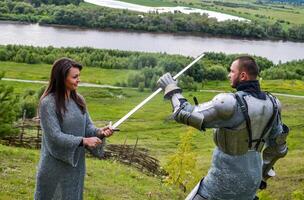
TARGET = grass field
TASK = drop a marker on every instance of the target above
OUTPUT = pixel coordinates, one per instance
(293, 15)
(248, 9)
(18, 168)
(42, 72)
(154, 3)
(112, 76)
(161, 137)
(295, 87)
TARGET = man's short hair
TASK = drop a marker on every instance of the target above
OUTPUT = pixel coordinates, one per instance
(248, 64)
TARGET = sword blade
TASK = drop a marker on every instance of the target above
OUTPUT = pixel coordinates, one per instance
(124, 118)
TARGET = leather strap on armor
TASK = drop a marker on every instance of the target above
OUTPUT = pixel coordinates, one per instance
(239, 140)
(269, 124)
(244, 107)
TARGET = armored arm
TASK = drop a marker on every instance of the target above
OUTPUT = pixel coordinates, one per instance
(213, 114)
(274, 152)
(276, 146)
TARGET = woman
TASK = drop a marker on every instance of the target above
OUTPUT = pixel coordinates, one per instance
(67, 129)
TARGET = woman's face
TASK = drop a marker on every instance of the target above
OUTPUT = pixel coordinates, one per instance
(72, 79)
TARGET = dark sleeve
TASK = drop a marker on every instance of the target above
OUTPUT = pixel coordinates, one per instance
(62, 146)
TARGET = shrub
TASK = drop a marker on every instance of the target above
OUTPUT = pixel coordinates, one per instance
(8, 111)
(29, 105)
(216, 73)
(181, 166)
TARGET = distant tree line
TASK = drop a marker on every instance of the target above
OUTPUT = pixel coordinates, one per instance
(38, 3)
(235, 5)
(289, 70)
(88, 16)
(292, 2)
(148, 67)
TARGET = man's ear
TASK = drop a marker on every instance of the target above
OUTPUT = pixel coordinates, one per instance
(243, 76)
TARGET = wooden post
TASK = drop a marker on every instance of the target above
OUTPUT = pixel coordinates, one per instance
(37, 140)
(142, 164)
(123, 147)
(155, 167)
(133, 151)
(22, 127)
(125, 141)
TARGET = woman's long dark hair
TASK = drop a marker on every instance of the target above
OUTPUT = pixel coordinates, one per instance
(57, 86)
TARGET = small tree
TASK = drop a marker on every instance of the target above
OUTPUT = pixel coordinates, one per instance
(141, 86)
(8, 110)
(30, 102)
(181, 166)
(30, 105)
(2, 73)
(187, 83)
(40, 92)
(216, 72)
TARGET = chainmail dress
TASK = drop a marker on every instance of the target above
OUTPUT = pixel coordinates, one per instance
(61, 168)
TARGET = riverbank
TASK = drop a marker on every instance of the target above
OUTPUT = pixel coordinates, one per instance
(101, 17)
(186, 45)
(177, 34)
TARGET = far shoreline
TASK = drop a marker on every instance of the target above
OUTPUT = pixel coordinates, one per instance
(194, 34)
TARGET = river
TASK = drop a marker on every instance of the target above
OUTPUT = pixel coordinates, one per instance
(33, 34)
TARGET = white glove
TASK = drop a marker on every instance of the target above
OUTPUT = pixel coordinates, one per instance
(169, 85)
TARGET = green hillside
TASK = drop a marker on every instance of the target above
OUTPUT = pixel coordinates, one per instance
(158, 135)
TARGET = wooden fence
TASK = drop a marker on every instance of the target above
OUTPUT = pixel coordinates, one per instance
(135, 156)
(30, 137)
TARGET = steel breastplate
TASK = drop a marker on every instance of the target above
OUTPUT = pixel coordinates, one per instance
(234, 141)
